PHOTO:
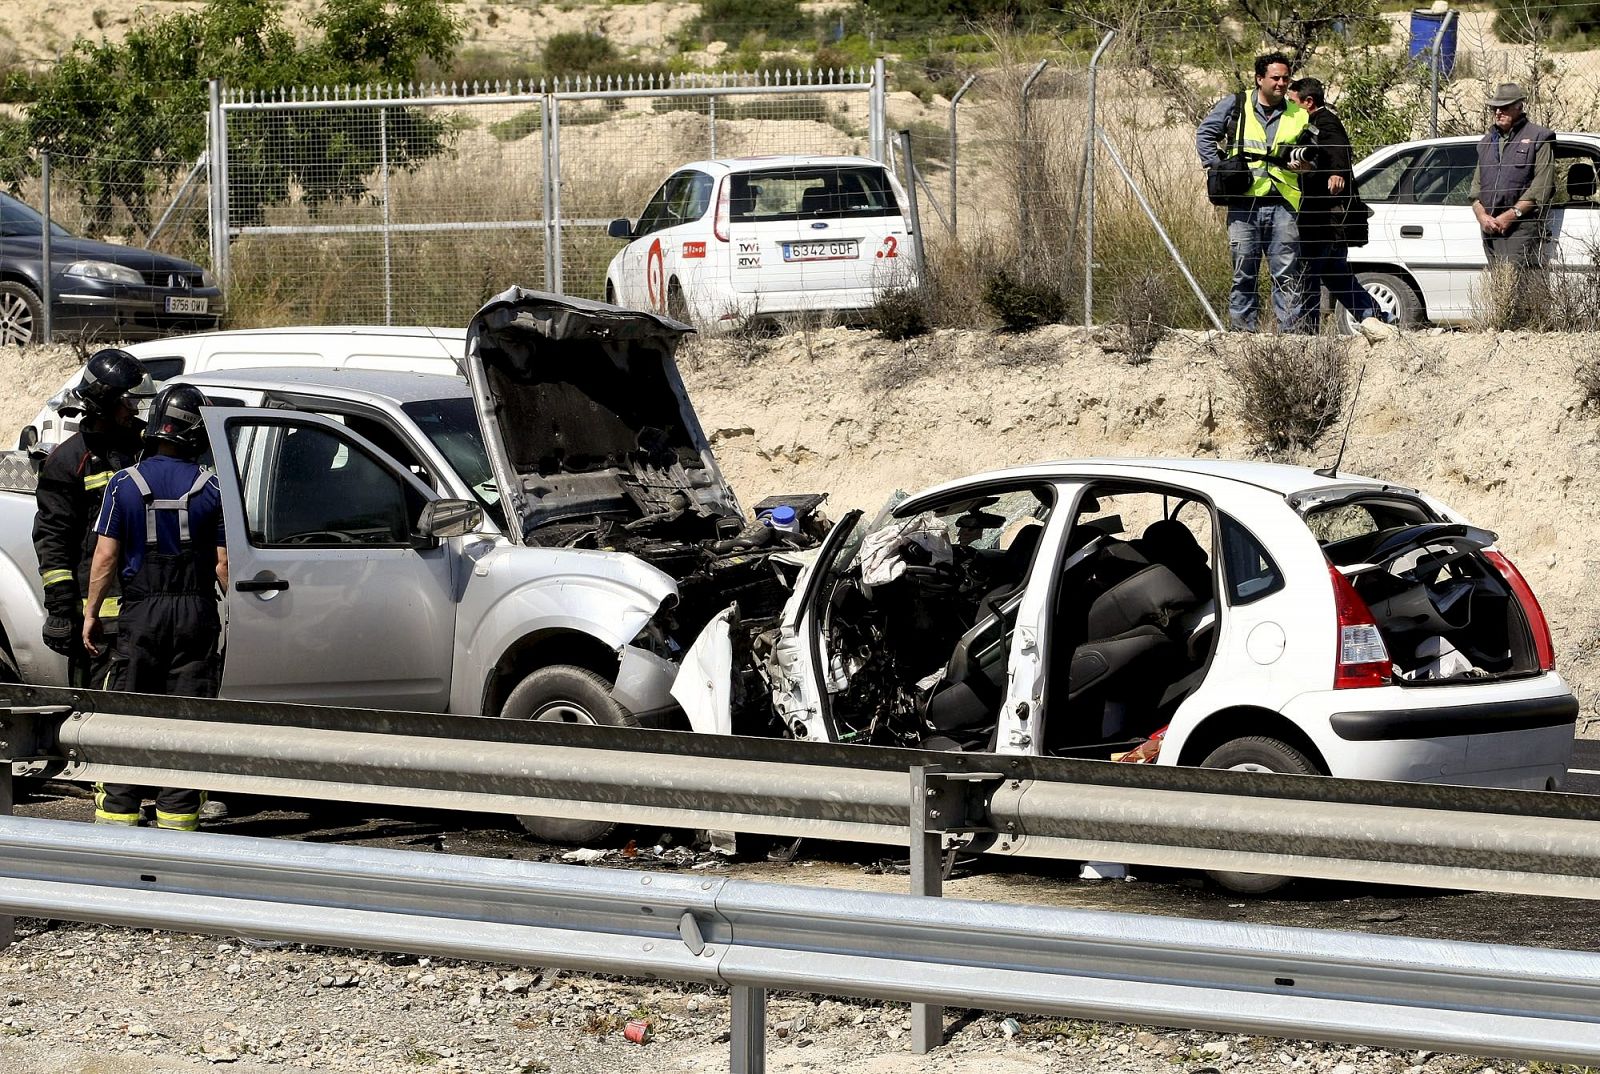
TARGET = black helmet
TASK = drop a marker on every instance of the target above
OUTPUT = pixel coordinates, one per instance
(175, 418)
(108, 376)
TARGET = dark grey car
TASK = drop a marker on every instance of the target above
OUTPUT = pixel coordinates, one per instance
(98, 289)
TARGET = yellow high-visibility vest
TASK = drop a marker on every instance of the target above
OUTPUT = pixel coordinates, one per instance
(1268, 175)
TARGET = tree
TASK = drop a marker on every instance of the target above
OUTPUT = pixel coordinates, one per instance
(124, 118)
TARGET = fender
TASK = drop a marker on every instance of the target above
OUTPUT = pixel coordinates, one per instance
(517, 591)
(21, 601)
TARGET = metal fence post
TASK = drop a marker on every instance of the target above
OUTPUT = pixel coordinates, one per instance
(711, 114)
(46, 333)
(927, 878)
(214, 177)
(224, 266)
(545, 108)
(1433, 62)
(1155, 222)
(955, 149)
(877, 108)
(747, 1038)
(1087, 180)
(553, 173)
(911, 206)
(1024, 232)
(388, 234)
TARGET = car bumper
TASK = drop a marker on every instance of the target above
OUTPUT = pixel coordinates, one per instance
(721, 304)
(1508, 734)
(123, 312)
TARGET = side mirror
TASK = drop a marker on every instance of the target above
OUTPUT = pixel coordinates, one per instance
(620, 229)
(448, 518)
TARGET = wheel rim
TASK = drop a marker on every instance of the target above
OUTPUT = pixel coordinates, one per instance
(16, 320)
(562, 712)
(1388, 302)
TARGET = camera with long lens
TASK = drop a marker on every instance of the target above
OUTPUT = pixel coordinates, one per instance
(1309, 155)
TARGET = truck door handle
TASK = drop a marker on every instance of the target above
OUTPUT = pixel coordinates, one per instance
(265, 582)
(1411, 231)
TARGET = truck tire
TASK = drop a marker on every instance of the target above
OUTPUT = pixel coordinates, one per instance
(563, 693)
(1257, 754)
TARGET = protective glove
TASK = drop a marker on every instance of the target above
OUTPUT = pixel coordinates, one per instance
(61, 635)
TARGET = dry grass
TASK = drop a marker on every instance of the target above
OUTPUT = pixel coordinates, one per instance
(1289, 390)
(1140, 305)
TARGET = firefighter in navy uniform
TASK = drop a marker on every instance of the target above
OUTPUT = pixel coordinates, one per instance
(72, 483)
(161, 532)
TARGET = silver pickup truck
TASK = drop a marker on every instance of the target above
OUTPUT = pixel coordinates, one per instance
(537, 540)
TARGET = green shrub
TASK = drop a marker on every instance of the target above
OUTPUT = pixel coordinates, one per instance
(731, 20)
(899, 313)
(578, 53)
(1289, 390)
(517, 127)
(1023, 303)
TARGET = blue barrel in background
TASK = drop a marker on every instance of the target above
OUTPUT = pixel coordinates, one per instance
(1425, 30)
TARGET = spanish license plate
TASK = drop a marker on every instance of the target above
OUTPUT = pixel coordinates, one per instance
(188, 305)
(831, 250)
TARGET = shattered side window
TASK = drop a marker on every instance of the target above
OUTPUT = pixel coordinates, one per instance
(1250, 572)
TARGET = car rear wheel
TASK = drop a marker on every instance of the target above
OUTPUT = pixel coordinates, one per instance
(1398, 302)
(21, 315)
(562, 693)
(1257, 754)
(677, 305)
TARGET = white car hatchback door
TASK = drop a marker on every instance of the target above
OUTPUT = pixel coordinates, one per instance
(801, 234)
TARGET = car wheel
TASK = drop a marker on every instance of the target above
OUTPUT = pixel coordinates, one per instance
(21, 315)
(1257, 754)
(1397, 300)
(566, 694)
(611, 293)
(677, 305)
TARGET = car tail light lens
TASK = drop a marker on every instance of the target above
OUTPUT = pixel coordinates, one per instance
(1544, 646)
(723, 217)
(1363, 658)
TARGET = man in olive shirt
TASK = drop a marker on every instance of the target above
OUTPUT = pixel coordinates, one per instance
(1514, 181)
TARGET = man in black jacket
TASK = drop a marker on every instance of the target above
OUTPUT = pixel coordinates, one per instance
(72, 484)
(1329, 199)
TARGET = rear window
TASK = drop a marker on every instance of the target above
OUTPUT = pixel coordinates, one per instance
(1348, 531)
(815, 193)
(1249, 570)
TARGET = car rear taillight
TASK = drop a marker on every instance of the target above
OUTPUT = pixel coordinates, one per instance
(1544, 646)
(1363, 658)
(720, 222)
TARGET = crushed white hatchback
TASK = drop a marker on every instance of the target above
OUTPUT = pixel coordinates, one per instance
(1226, 614)
(728, 240)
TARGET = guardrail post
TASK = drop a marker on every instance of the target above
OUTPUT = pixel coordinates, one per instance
(927, 878)
(748, 1037)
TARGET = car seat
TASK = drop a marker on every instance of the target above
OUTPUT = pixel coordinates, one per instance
(1170, 542)
(1581, 182)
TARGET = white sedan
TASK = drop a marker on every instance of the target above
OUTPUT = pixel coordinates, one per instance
(727, 240)
(1226, 614)
(1424, 260)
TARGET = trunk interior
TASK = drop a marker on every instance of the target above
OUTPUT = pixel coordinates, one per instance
(1445, 612)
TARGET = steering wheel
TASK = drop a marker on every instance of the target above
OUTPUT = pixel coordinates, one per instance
(322, 537)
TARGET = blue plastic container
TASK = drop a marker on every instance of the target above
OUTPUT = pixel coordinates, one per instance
(1424, 30)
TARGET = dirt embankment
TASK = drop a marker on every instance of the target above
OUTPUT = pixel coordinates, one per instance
(1490, 423)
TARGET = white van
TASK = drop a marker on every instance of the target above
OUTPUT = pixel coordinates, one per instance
(405, 349)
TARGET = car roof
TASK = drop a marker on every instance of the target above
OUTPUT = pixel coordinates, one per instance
(728, 165)
(398, 388)
(157, 346)
(1467, 139)
(1273, 477)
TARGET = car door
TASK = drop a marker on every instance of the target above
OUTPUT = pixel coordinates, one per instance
(1575, 213)
(1439, 237)
(669, 241)
(331, 600)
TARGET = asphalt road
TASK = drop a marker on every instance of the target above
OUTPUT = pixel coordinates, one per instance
(1584, 775)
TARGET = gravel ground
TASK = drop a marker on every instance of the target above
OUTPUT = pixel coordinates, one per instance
(93, 1000)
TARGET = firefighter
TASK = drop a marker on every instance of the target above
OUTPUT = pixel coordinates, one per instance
(72, 483)
(161, 533)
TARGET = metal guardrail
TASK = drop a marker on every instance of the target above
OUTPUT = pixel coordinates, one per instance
(1522, 842)
(1383, 990)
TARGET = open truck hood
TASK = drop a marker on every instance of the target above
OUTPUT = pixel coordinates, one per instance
(587, 421)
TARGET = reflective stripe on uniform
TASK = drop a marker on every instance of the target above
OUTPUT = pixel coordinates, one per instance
(96, 481)
(110, 607)
(178, 822)
(102, 817)
(56, 577)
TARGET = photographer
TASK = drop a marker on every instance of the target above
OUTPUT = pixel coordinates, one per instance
(1328, 209)
(1261, 220)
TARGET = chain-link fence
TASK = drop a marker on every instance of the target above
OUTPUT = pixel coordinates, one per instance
(387, 205)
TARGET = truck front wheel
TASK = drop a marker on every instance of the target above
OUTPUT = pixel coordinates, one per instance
(563, 693)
